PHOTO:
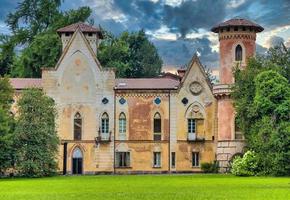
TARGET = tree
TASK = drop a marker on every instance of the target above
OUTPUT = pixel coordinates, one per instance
(262, 101)
(132, 54)
(43, 51)
(6, 125)
(6, 54)
(35, 134)
(37, 38)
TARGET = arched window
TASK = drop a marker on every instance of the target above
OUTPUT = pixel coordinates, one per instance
(77, 161)
(239, 53)
(77, 126)
(157, 126)
(122, 126)
(105, 123)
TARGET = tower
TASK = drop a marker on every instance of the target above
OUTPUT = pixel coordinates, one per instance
(92, 34)
(237, 44)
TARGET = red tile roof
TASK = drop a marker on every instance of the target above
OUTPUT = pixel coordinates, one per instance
(22, 83)
(85, 28)
(237, 22)
(124, 83)
(147, 83)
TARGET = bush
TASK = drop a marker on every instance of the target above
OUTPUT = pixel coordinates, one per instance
(210, 167)
(246, 165)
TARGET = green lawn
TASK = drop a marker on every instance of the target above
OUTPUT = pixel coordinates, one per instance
(140, 187)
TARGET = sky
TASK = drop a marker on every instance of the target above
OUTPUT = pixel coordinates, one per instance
(180, 28)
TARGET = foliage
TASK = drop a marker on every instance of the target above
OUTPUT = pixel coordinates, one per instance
(6, 54)
(132, 54)
(33, 26)
(161, 187)
(36, 135)
(245, 166)
(210, 167)
(43, 51)
(6, 125)
(262, 100)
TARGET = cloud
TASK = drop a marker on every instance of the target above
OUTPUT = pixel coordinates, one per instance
(179, 52)
(275, 41)
(193, 15)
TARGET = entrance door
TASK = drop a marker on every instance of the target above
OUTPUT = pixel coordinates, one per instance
(77, 161)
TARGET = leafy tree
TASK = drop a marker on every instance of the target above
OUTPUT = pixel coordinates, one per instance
(6, 54)
(43, 51)
(262, 100)
(33, 26)
(6, 125)
(35, 134)
(133, 55)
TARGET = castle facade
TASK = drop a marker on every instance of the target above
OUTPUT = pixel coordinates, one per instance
(168, 124)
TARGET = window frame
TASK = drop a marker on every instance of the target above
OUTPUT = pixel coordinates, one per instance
(123, 159)
(173, 160)
(239, 53)
(157, 127)
(105, 123)
(195, 159)
(157, 159)
(77, 122)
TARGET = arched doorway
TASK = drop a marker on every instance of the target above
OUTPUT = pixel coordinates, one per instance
(77, 161)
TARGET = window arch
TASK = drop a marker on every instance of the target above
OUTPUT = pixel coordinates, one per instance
(122, 124)
(78, 126)
(239, 53)
(157, 126)
(77, 161)
(105, 123)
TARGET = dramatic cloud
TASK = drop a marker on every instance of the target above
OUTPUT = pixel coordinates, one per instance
(180, 28)
(275, 41)
(194, 15)
(179, 52)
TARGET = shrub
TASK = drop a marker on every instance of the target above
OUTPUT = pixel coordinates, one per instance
(246, 165)
(210, 167)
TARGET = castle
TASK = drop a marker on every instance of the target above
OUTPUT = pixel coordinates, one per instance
(167, 124)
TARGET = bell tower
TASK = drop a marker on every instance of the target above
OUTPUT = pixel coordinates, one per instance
(92, 34)
(237, 39)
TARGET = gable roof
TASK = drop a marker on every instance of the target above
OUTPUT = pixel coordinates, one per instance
(196, 60)
(85, 28)
(68, 46)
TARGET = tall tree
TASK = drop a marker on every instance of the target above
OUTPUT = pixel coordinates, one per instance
(35, 134)
(6, 125)
(33, 26)
(262, 100)
(132, 54)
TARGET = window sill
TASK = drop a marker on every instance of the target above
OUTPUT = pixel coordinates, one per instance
(157, 167)
(195, 167)
(123, 167)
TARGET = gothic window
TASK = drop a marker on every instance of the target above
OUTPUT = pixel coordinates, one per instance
(122, 125)
(77, 161)
(77, 126)
(105, 123)
(157, 126)
(239, 53)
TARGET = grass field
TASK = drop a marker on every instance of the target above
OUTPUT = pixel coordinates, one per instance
(139, 187)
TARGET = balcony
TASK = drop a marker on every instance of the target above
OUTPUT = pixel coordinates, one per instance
(192, 137)
(221, 89)
(103, 137)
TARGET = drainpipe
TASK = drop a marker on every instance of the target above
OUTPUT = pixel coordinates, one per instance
(169, 152)
(114, 132)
